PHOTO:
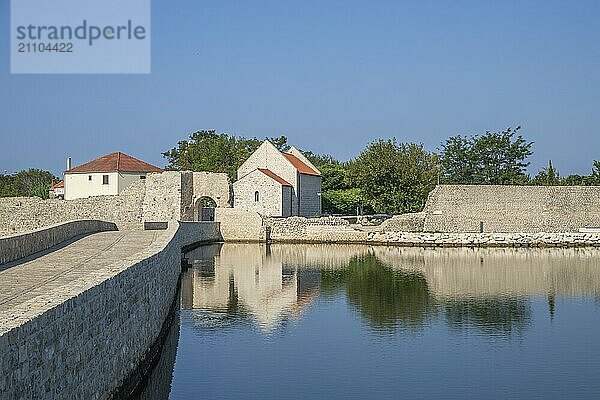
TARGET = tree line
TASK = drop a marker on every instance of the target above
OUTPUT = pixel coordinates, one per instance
(27, 183)
(388, 176)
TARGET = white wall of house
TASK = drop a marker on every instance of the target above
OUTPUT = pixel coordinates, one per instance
(82, 185)
(270, 194)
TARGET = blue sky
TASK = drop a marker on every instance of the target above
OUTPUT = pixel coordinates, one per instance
(332, 76)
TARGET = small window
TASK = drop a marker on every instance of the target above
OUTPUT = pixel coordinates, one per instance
(142, 176)
(89, 177)
(256, 196)
(105, 179)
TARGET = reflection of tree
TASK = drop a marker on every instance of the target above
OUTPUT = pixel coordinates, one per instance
(495, 314)
(385, 297)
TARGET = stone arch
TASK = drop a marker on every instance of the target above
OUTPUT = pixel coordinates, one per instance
(214, 185)
(204, 209)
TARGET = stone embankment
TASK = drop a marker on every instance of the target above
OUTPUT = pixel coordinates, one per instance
(485, 239)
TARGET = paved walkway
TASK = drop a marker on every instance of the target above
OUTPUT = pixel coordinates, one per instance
(25, 280)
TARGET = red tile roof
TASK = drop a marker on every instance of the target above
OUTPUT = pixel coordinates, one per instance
(272, 175)
(116, 161)
(300, 165)
(58, 185)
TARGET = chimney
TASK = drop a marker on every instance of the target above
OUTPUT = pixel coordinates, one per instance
(68, 163)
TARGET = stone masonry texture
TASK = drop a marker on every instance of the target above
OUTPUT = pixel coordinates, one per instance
(529, 209)
(81, 340)
(19, 246)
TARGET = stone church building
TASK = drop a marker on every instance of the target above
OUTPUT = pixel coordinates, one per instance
(278, 184)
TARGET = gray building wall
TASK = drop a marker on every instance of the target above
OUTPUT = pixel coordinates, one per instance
(309, 190)
(23, 214)
(287, 196)
(159, 197)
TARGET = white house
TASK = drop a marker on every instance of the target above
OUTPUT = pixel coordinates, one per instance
(275, 183)
(57, 190)
(106, 175)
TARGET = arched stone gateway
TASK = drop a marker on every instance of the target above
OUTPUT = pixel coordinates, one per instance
(204, 209)
(213, 185)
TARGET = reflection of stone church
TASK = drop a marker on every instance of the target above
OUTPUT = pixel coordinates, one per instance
(246, 279)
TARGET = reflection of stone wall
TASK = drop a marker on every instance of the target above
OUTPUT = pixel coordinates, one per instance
(158, 385)
(263, 288)
(460, 208)
(468, 272)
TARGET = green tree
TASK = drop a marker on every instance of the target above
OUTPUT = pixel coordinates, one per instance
(338, 196)
(548, 176)
(495, 158)
(394, 178)
(27, 183)
(343, 201)
(594, 178)
(215, 152)
(575, 180)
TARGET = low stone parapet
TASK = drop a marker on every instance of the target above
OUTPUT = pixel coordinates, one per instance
(542, 239)
(14, 247)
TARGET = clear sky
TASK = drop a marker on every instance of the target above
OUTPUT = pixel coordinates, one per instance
(331, 75)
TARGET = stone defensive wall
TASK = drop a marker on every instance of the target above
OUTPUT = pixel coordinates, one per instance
(512, 209)
(160, 197)
(18, 246)
(83, 340)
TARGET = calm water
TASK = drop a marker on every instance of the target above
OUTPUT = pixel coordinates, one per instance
(357, 322)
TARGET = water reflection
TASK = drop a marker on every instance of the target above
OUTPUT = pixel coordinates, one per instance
(389, 287)
(245, 280)
(387, 298)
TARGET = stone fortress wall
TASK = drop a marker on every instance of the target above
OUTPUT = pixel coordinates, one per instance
(512, 209)
(159, 197)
